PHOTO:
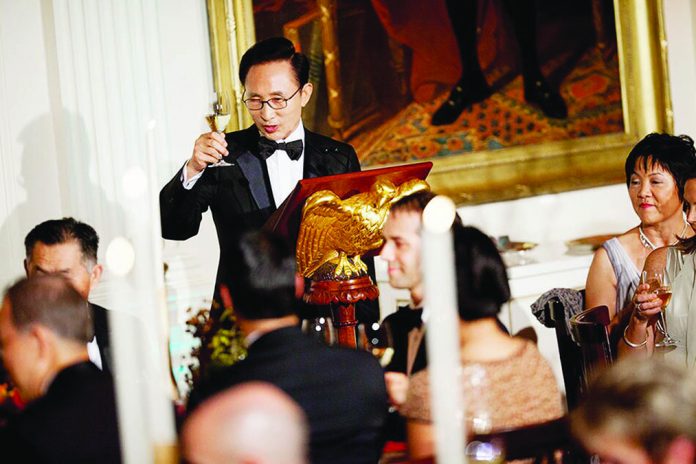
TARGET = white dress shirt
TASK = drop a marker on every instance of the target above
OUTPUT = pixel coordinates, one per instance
(93, 352)
(283, 172)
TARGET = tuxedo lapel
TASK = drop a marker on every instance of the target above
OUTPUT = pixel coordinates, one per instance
(253, 168)
(313, 166)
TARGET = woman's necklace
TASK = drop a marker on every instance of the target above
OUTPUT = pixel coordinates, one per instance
(648, 244)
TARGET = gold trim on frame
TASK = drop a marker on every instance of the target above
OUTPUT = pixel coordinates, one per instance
(527, 170)
(231, 31)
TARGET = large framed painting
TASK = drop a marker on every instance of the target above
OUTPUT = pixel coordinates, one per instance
(508, 98)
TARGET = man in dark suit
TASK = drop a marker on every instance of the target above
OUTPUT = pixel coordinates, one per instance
(341, 391)
(244, 176)
(71, 409)
(68, 248)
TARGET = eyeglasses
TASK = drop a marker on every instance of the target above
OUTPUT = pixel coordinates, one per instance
(276, 103)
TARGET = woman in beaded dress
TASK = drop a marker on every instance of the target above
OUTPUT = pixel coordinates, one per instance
(514, 384)
(654, 170)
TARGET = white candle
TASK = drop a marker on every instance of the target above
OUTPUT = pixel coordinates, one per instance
(140, 344)
(442, 326)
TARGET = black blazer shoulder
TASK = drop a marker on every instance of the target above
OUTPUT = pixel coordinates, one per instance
(75, 421)
(100, 322)
(342, 392)
(325, 156)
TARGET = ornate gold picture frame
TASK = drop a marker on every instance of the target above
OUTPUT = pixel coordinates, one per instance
(519, 171)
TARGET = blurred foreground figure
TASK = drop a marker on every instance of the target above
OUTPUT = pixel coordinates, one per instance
(71, 413)
(250, 423)
(640, 412)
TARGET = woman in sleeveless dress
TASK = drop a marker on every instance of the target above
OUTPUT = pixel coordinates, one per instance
(654, 171)
(679, 263)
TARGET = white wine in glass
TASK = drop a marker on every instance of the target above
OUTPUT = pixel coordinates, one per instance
(218, 120)
(661, 286)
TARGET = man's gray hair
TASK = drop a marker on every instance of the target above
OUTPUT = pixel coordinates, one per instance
(52, 302)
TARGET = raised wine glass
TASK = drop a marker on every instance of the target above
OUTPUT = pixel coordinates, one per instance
(478, 418)
(661, 285)
(218, 120)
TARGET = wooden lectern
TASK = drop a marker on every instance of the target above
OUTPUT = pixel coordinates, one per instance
(333, 220)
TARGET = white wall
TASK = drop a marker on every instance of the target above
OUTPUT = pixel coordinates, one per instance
(28, 163)
(557, 217)
(67, 90)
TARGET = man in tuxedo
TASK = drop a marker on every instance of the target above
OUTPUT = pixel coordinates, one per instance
(71, 408)
(244, 176)
(341, 391)
(68, 248)
(234, 427)
(402, 252)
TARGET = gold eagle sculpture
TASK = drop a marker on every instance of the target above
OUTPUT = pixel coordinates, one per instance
(334, 233)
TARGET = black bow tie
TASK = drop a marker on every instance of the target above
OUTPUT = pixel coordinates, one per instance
(412, 318)
(268, 147)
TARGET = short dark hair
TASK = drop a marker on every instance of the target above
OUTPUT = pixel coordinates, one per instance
(57, 231)
(262, 276)
(482, 281)
(52, 302)
(275, 49)
(674, 153)
(416, 203)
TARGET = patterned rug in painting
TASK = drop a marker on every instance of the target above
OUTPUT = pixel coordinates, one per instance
(592, 92)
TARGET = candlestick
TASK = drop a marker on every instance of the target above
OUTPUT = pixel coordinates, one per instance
(146, 419)
(442, 326)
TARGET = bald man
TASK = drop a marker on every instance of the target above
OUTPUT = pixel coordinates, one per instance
(253, 422)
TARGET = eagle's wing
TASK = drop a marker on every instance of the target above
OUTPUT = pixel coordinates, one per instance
(322, 217)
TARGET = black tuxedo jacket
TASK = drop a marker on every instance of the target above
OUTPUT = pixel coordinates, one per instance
(342, 392)
(399, 324)
(100, 321)
(75, 421)
(240, 197)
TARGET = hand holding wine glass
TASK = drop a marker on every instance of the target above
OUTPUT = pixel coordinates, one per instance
(220, 117)
(663, 290)
(652, 297)
(210, 148)
(218, 120)
(646, 303)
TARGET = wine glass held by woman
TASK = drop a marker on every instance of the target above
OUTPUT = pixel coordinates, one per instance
(680, 267)
(654, 172)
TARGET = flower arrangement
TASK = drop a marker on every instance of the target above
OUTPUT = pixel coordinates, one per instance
(221, 341)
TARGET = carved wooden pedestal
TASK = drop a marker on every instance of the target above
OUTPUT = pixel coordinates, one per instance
(342, 295)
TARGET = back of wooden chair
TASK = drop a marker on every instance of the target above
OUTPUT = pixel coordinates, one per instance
(542, 442)
(569, 352)
(590, 330)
